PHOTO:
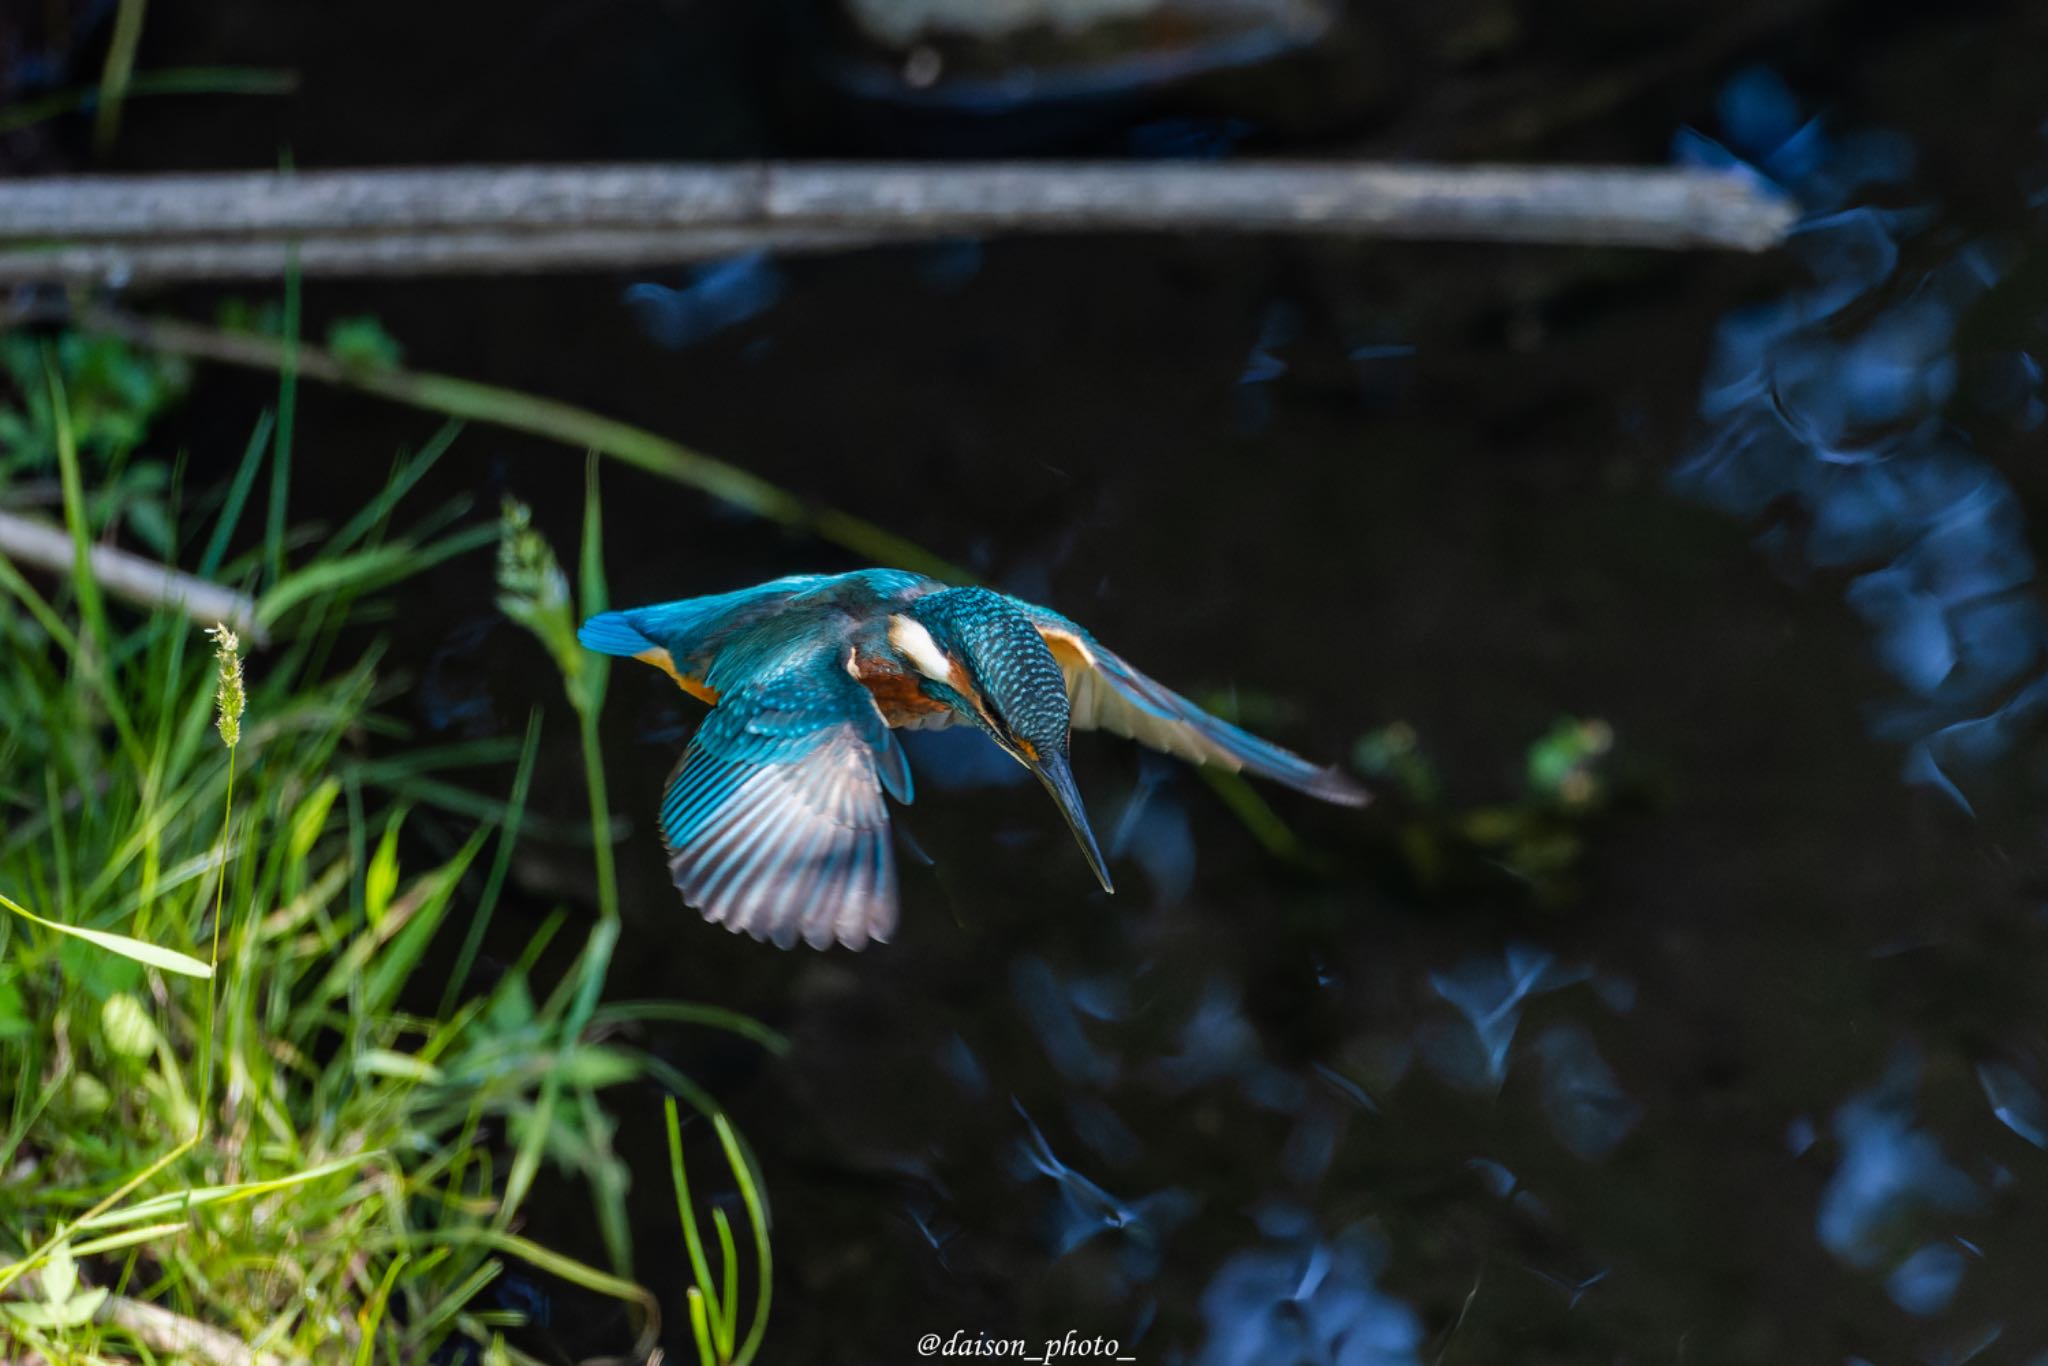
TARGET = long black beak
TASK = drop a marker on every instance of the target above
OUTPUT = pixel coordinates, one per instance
(1053, 771)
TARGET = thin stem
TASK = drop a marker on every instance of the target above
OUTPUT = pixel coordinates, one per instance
(686, 1214)
(544, 417)
(508, 839)
(117, 72)
(220, 891)
(287, 404)
(757, 1215)
(600, 817)
(184, 80)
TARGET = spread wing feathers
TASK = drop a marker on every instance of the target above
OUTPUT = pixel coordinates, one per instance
(774, 821)
(1106, 693)
(692, 629)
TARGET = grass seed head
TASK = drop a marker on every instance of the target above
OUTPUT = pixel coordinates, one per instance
(229, 701)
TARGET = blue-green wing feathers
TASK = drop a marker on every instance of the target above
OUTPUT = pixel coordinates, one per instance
(775, 821)
(690, 629)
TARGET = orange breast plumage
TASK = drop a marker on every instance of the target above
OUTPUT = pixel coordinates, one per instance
(898, 693)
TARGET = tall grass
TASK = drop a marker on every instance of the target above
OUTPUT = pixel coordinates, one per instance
(296, 1155)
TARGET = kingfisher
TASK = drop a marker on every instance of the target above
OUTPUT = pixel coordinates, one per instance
(774, 821)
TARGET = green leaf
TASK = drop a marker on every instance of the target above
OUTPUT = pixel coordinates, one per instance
(380, 880)
(170, 960)
(511, 1007)
(594, 1067)
(362, 344)
(59, 1274)
(86, 1096)
(346, 573)
(14, 1021)
(149, 955)
(310, 819)
(75, 1312)
(128, 1029)
(385, 1062)
(396, 960)
(98, 975)
(133, 1237)
(177, 1202)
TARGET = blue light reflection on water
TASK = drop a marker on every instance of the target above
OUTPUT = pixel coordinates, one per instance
(1308, 1299)
(1084, 1210)
(1825, 416)
(1828, 420)
(1488, 995)
(717, 296)
(1893, 1178)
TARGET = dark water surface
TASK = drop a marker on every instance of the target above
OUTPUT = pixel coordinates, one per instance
(1741, 1058)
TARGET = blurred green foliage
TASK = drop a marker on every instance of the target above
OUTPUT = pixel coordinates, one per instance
(1537, 839)
(114, 395)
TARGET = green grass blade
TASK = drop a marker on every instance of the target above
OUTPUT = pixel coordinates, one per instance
(501, 864)
(395, 964)
(688, 1012)
(287, 413)
(551, 418)
(372, 1315)
(90, 605)
(686, 1212)
(182, 80)
(757, 1215)
(701, 1329)
(592, 967)
(133, 1237)
(117, 72)
(177, 1202)
(237, 497)
(729, 1281)
(170, 960)
(403, 479)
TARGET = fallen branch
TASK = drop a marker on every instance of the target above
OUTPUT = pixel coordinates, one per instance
(130, 576)
(411, 254)
(499, 218)
(174, 1335)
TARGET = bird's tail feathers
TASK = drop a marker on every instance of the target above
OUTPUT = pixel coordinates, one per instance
(610, 633)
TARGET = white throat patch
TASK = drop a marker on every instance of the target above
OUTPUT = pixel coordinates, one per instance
(915, 643)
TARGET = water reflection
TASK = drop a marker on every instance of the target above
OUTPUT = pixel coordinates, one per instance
(1085, 1210)
(1826, 416)
(717, 296)
(2014, 1102)
(1893, 1182)
(1300, 1298)
(1582, 1098)
(1488, 996)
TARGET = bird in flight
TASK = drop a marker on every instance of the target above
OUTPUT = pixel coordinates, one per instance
(774, 820)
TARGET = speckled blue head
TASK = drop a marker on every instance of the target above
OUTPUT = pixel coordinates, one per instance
(1022, 692)
(1022, 695)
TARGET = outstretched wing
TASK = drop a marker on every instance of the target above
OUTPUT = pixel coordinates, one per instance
(1106, 693)
(684, 637)
(774, 821)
